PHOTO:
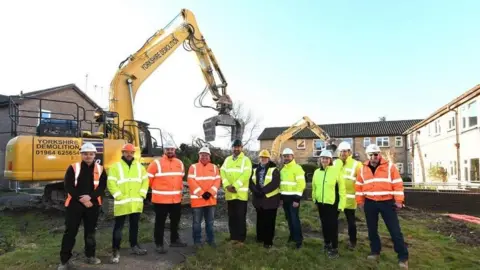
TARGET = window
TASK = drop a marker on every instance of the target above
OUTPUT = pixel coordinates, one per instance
(409, 141)
(349, 140)
(366, 142)
(474, 169)
(45, 114)
(318, 145)
(301, 144)
(410, 168)
(400, 167)
(399, 141)
(383, 142)
(470, 115)
(451, 123)
(437, 127)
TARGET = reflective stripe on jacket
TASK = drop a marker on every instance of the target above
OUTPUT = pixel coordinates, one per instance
(128, 186)
(349, 174)
(324, 185)
(292, 179)
(385, 184)
(203, 178)
(166, 180)
(236, 173)
(268, 179)
(97, 172)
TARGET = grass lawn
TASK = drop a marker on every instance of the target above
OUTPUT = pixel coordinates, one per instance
(428, 249)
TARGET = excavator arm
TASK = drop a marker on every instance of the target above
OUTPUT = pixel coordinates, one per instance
(303, 123)
(134, 70)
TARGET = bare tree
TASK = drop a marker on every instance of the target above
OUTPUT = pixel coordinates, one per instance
(382, 118)
(252, 124)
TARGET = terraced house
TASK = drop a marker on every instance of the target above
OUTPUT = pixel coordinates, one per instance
(386, 134)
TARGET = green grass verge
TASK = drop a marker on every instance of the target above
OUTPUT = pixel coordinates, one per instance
(428, 249)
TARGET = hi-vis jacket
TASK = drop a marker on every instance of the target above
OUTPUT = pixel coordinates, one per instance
(324, 186)
(236, 173)
(292, 180)
(348, 171)
(128, 186)
(201, 179)
(166, 180)
(384, 184)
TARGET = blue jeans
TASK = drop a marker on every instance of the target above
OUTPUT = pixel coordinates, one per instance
(293, 219)
(389, 215)
(199, 213)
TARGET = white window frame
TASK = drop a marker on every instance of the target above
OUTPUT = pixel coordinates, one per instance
(401, 141)
(410, 168)
(399, 167)
(471, 114)
(316, 152)
(437, 128)
(409, 141)
(41, 113)
(382, 140)
(365, 140)
(304, 144)
(451, 123)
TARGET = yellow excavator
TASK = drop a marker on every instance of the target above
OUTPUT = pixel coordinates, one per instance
(43, 157)
(300, 125)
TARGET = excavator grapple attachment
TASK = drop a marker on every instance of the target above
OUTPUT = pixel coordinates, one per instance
(210, 124)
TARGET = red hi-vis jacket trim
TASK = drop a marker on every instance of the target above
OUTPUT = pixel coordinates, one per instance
(385, 184)
(97, 172)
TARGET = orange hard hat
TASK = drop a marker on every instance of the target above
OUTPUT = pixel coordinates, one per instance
(128, 147)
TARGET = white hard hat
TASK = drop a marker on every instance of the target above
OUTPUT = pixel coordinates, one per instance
(204, 150)
(169, 144)
(287, 151)
(372, 148)
(88, 147)
(344, 146)
(326, 153)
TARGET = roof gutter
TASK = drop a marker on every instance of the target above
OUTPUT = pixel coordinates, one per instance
(467, 96)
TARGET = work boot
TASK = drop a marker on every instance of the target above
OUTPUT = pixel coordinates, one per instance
(403, 264)
(178, 243)
(298, 245)
(327, 247)
(373, 257)
(160, 249)
(137, 250)
(115, 256)
(332, 253)
(267, 246)
(93, 260)
(63, 266)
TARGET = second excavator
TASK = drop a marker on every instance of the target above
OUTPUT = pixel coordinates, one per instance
(55, 141)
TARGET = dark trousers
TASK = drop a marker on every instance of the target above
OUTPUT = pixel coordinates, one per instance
(74, 215)
(352, 226)
(266, 225)
(200, 213)
(161, 212)
(237, 219)
(329, 219)
(388, 211)
(293, 220)
(133, 220)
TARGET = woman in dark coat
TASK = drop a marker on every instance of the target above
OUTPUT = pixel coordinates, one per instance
(265, 186)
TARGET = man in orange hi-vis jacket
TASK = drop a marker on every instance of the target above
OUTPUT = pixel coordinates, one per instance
(379, 189)
(166, 181)
(203, 183)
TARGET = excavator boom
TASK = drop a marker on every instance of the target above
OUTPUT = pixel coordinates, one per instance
(134, 70)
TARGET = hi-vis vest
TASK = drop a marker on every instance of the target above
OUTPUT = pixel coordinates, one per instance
(201, 179)
(268, 179)
(348, 170)
(97, 171)
(292, 179)
(166, 180)
(236, 173)
(129, 186)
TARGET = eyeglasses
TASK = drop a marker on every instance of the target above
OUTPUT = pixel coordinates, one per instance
(373, 154)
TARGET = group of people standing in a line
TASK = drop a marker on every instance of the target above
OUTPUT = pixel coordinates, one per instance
(340, 185)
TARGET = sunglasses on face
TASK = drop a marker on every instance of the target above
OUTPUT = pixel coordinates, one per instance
(373, 154)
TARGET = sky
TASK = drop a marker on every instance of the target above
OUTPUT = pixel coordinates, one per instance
(334, 61)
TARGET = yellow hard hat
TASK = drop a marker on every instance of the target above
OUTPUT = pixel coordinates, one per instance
(264, 153)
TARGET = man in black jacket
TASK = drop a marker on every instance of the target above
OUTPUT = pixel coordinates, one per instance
(85, 183)
(265, 186)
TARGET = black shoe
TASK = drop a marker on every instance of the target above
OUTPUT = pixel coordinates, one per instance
(327, 247)
(178, 243)
(332, 253)
(267, 246)
(298, 245)
(161, 249)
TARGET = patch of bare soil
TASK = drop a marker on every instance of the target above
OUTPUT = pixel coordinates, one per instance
(457, 229)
